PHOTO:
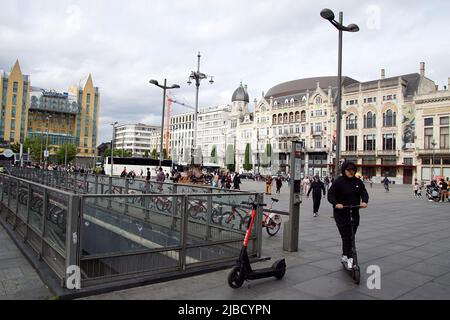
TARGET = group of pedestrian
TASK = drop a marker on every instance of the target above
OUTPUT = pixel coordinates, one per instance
(227, 180)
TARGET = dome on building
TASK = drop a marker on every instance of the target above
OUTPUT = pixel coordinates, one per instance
(240, 94)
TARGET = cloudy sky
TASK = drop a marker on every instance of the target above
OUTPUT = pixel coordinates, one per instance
(124, 44)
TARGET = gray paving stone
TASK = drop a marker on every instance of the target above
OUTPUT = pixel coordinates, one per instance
(432, 290)
(303, 273)
(286, 294)
(409, 278)
(428, 268)
(402, 259)
(331, 264)
(444, 279)
(324, 286)
(389, 290)
(351, 295)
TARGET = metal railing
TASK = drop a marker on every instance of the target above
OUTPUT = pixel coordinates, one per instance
(113, 229)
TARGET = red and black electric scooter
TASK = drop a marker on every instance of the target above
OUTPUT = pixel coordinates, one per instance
(243, 270)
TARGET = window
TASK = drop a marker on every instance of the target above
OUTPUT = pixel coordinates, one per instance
(389, 141)
(428, 138)
(297, 116)
(444, 121)
(350, 143)
(291, 117)
(15, 86)
(318, 100)
(369, 120)
(408, 161)
(318, 143)
(428, 122)
(351, 121)
(389, 118)
(303, 116)
(369, 142)
(443, 138)
(274, 118)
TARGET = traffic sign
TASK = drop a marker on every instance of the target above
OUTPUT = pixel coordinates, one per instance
(8, 153)
(46, 153)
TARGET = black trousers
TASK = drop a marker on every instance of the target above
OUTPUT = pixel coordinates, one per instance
(316, 204)
(344, 224)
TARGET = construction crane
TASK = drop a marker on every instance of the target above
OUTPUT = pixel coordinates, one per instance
(169, 110)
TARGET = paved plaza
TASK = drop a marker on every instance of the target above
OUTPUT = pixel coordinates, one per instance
(18, 279)
(408, 238)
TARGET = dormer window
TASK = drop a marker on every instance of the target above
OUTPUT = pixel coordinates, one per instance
(318, 100)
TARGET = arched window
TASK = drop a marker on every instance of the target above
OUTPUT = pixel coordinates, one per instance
(303, 116)
(370, 120)
(286, 101)
(318, 100)
(280, 118)
(275, 103)
(389, 118)
(291, 117)
(285, 118)
(291, 101)
(304, 98)
(297, 116)
(351, 121)
(274, 118)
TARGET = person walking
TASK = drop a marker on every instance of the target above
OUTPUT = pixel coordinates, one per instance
(223, 179)
(347, 191)
(236, 181)
(149, 175)
(124, 172)
(317, 187)
(386, 182)
(228, 181)
(160, 178)
(268, 184)
(444, 192)
(416, 188)
(279, 184)
(305, 185)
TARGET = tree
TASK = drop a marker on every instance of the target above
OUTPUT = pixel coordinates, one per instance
(15, 147)
(266, 156)
(247, 161)
(213, 154)
(164, 153)
(154, 154)
(71, 152)
(230, 158)
(117, 153)
(36, 147)
(146, 154)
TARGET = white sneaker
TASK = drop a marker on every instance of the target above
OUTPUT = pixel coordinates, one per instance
(344, 259)
(350, 263)
(315, 215)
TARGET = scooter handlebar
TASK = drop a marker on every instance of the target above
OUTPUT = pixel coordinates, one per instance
(253, 203)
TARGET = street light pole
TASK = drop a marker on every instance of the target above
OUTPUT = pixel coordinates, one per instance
(46, 143)
(164, 87)
(197, 76)
(329, 15)
(433, 143)
(112, 146)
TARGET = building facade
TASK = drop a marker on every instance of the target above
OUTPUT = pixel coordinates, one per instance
(15, 101)
(432, 131)
(181, 137)
(58, 117)
(137, 138)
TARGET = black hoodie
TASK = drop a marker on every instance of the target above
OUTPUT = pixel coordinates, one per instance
(347, 191)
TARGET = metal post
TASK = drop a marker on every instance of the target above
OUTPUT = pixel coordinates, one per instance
(25, 237)
(73, 243)
(183, 234)
(96, 188)
(174, 208)
(339, 100)
(110, 191)
(291, 227)
(208, 214)
(162, 123)
(259, 215)
(126, 199)
(197, 84)
(43, 222)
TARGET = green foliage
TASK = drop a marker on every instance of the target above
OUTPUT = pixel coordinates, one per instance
(266, 156)
(118, 153)
(247, 165)
(164, 153)
(15, 147)
(71, 152)
(36, 147)
(154, 154)
(214, 154)
(146, 154)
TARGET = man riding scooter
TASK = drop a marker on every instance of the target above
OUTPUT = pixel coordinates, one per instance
(347, 191)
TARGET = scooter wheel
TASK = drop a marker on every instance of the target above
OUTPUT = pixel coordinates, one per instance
(280, 266)
(235, 279)
(273, 228)
(356, 276)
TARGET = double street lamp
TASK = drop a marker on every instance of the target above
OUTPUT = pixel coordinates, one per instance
(198, 77)
(327, 14)
(164, 87)
(46, 153)
(433, 143)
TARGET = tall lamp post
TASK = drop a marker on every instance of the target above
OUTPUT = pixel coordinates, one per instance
(433, 143)
(46, 142)
(164, 87)
(327, 14)
(198, 77)
(112, 145)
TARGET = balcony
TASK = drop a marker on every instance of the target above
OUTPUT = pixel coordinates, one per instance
(317, 133)
(388, 152)
(349, 153)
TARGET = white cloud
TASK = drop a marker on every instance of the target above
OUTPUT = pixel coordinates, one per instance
(258, 42)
